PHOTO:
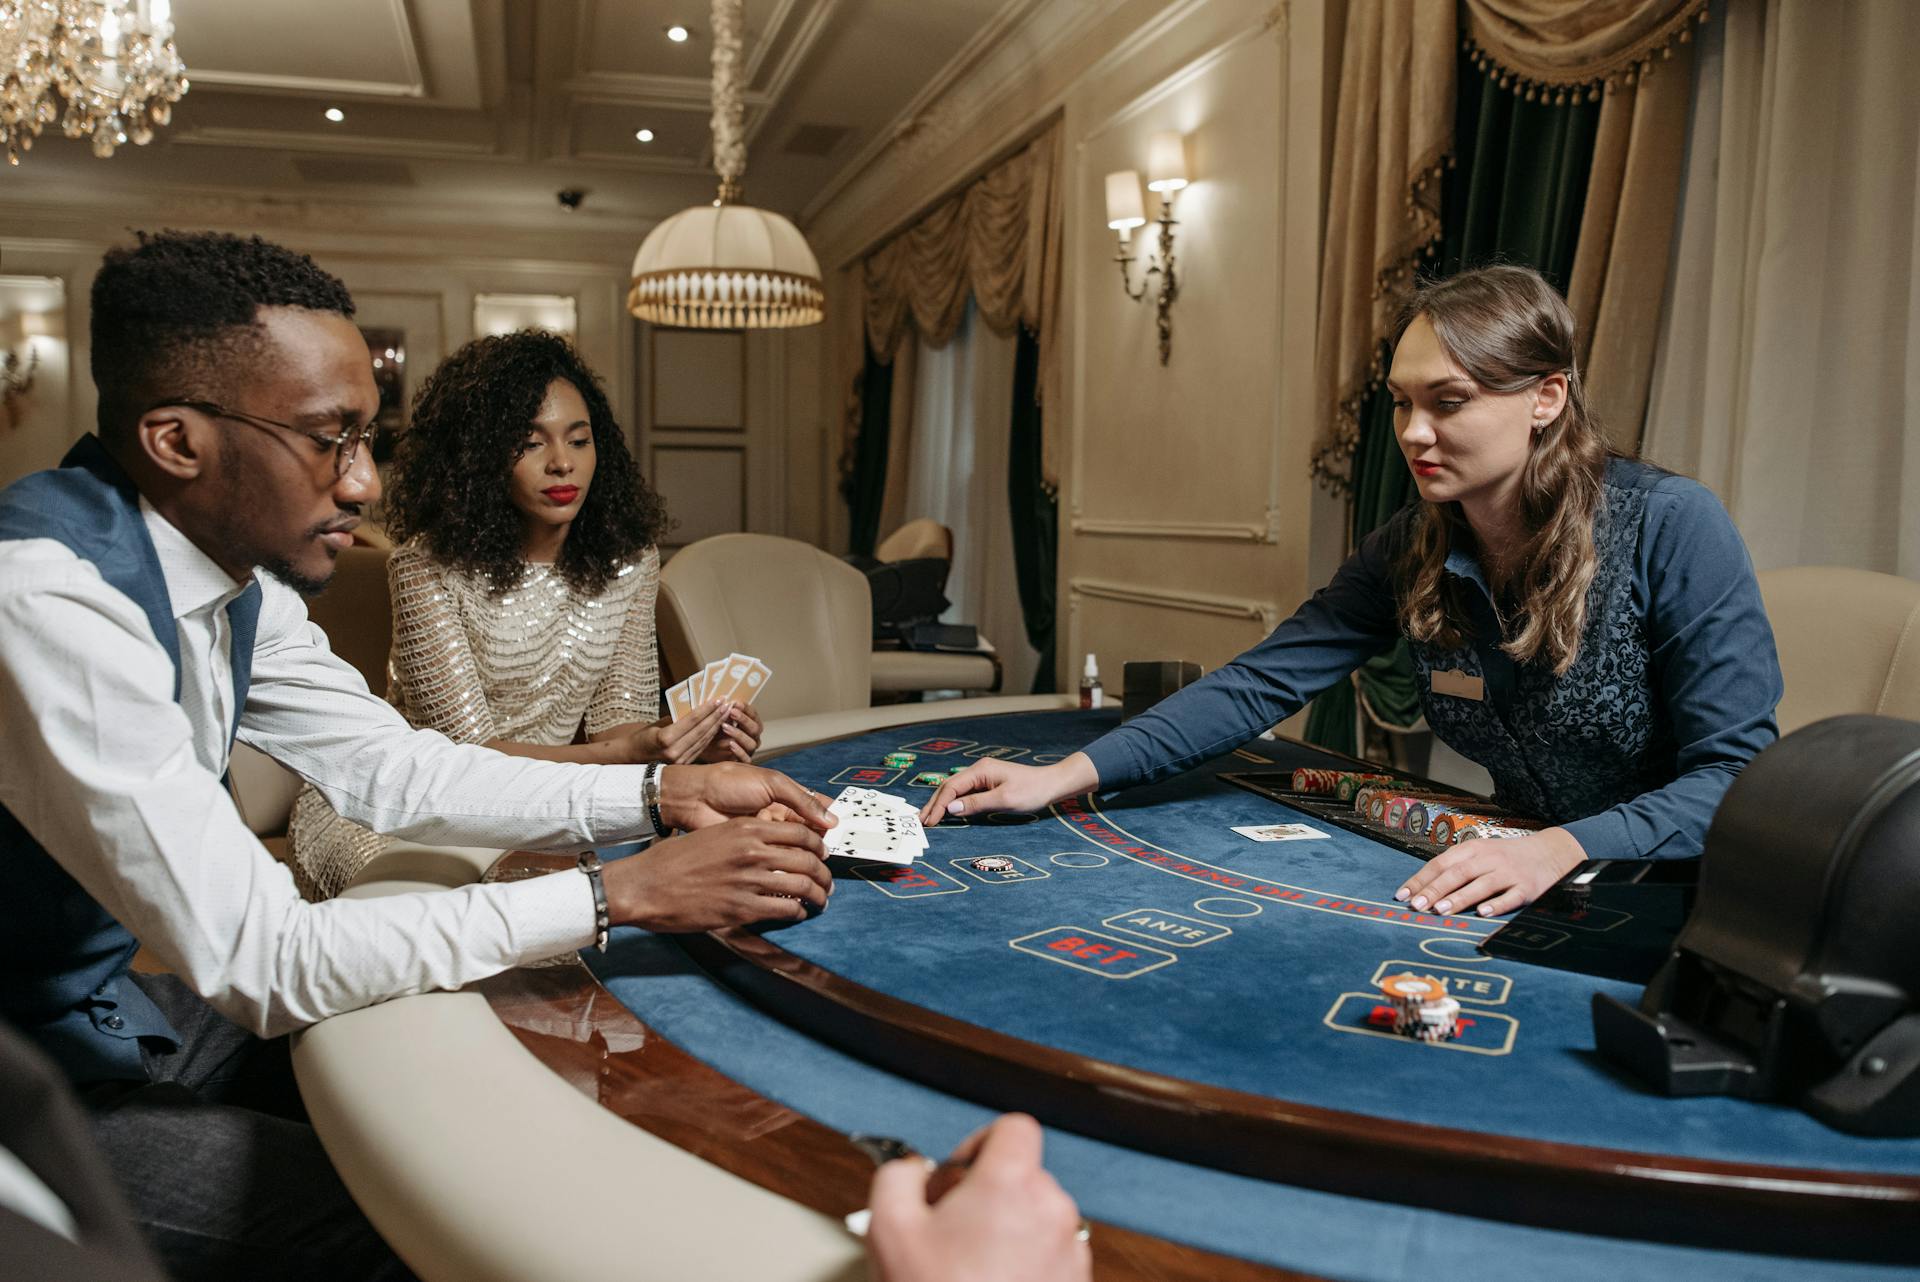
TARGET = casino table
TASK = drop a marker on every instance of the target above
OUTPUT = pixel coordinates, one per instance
(1195, 1017)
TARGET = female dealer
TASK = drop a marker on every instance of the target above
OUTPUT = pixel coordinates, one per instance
(1585, 626)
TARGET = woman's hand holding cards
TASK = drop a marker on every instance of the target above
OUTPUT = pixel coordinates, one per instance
(679, 742)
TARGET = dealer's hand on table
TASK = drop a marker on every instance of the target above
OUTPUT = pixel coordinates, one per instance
(1499, 874)
(991, 786)
(1007, 1219)
(727, 874)
(737, 737)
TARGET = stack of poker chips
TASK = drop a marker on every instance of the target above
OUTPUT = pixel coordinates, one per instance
(1452, 829)
(899, 760)
(1339, 784)
(1422, 1007)
(1392, 805)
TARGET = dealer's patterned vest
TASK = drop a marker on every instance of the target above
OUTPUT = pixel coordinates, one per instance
(1562, 748)
(63, 958)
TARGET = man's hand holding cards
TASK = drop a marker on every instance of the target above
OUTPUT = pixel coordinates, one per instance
(874, 825)
(730, 686)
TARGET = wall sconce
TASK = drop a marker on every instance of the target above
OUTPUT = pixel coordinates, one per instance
(1166, 174)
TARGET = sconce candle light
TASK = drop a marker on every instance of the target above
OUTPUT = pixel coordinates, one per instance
(1166, 174)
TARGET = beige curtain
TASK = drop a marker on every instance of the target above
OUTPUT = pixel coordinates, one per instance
(998, 240)
(1641, 51)
(900, 420)
(1626, 238)
(1788, 377)
(1393, 131)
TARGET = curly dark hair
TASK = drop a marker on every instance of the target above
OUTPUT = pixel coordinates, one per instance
(452, 468)
(177, 314)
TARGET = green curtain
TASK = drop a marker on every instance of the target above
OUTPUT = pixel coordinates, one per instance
(1514, 195)
(864, 486)
(1036, 517)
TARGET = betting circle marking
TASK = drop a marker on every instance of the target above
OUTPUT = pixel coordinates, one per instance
(1080, 859)
(1436, 946)
(1253, 909)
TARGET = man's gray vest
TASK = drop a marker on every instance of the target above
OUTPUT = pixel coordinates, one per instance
(63, 958)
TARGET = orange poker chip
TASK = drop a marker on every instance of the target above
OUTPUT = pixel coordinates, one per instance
(1409, 987)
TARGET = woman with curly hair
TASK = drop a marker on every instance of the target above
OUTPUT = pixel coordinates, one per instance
(1585, 626)
(523, 585)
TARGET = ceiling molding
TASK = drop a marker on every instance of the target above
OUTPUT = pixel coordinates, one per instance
(262, 83)
(347, 144)
(812, 27)
(415, 85)
(622, 88)
(776, 22)
(915, 117)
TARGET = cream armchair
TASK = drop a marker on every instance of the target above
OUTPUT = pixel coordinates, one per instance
(805, 614)
(1849, 641)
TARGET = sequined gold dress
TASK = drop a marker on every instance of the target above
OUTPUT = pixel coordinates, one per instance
(526, 667)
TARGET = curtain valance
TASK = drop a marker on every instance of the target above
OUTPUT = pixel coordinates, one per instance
(1557, 48)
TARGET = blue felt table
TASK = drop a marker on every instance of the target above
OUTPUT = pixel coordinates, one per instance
(1141, 930)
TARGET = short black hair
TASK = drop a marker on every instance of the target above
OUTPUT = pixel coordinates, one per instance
(453, 470)
(172, 310)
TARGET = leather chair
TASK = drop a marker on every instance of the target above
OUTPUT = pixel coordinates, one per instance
(1849, 641)
(918, 538)
(805, 614)
(356, 613)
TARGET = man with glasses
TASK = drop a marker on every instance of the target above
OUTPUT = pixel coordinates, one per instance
(150, 614)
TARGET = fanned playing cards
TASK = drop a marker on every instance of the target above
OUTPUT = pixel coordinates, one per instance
(875, 825)
(739, 677)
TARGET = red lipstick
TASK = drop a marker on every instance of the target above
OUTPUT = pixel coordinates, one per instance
(562, 494)
(1424, 469)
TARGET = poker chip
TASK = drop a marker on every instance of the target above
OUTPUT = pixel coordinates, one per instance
(992, 863)
(1474, 832)
(1316, 780)
(1436, 1021)
(1407, 986)
(1348, 782)
(1422, 1006)
(899, 760)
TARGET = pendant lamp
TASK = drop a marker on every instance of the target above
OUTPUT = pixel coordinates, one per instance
(726, 265)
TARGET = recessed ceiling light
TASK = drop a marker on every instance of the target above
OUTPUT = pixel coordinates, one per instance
(336, 115)
(645, 135)
(677, 34)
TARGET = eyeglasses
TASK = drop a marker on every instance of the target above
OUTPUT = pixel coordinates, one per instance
(344, 444)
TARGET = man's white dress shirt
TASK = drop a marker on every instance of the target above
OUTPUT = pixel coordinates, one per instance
(122, 786)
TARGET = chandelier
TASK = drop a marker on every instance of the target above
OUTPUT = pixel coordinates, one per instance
(726, 265)
(111, 61)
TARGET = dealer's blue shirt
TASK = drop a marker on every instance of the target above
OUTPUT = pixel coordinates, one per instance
(1630, 750)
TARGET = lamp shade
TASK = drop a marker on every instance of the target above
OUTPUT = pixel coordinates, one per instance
(1166, 161)
(1124, 210)
(726, 266)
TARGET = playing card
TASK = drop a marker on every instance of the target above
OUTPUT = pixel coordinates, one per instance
(710, 680)
(753, 681)
(1280, 832)
(680, 700)
(892, 848)
(867, 811)
(733, 676)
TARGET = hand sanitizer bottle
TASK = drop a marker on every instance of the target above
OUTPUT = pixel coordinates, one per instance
(1092, 695)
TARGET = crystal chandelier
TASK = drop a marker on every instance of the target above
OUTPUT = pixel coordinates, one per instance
(111, 61)
(726, 265)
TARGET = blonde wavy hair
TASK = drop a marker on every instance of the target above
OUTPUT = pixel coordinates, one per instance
(1508, 329)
